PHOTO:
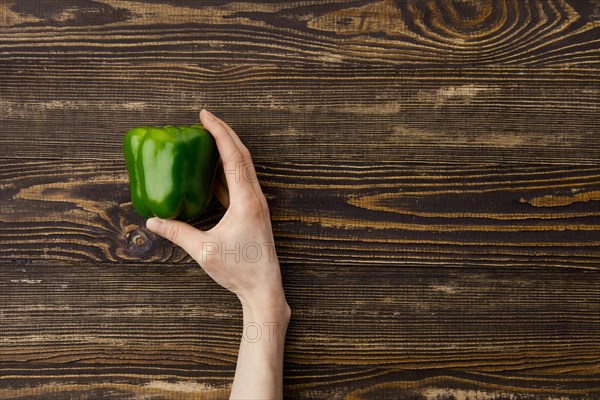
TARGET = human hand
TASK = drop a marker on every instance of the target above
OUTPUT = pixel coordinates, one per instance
(239, 252)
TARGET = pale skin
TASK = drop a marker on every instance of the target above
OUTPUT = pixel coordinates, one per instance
(239, 254)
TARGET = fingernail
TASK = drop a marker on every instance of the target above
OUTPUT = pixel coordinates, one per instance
(154, 223)
(208, 115)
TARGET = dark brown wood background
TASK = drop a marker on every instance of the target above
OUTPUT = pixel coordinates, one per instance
(432, 167)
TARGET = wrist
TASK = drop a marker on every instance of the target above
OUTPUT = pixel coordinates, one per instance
(266, 305)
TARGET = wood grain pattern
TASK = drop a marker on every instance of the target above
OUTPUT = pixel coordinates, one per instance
(485, 81)
(432, 166)
(553, 33)
(495, 115)
(389, 214)
(140, 329)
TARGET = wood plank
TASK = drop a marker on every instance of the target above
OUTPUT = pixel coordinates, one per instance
(123, 331)
(43, 382)
(467, 115)
(489, 81)
(56, 211)
(553, 33)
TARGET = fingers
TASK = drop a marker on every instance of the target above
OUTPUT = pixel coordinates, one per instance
(220, 186)
(233, 160)
(249, 171)
(221, 193)
(221, 175)
(180, 233)
(237, 162)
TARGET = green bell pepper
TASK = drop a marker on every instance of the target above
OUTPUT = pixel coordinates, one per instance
(171, 170)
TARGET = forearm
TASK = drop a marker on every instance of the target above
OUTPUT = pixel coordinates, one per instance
(259, 371)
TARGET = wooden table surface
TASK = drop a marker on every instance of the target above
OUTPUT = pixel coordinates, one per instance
(432, 168)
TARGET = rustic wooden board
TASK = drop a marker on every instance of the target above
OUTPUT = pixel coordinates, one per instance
(433, 170)
(554, 33)
(385, 214)
(135, 329)
(489, 115)
(489, 81)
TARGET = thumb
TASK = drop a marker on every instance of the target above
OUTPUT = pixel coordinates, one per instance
(180, 233)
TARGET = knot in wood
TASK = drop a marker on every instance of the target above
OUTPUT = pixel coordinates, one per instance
(138, 242)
